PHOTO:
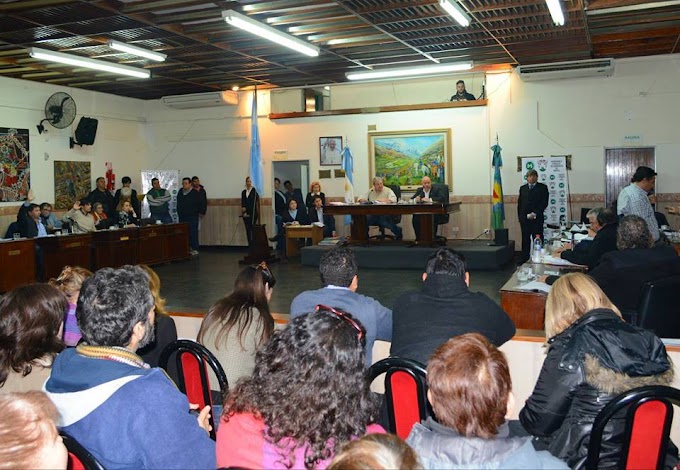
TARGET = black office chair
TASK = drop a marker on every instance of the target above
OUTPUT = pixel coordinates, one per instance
(12, 229)
(395, 218)
(78, 456)
(441, 219)
(584, 215)
(658, 306)
(192, 360)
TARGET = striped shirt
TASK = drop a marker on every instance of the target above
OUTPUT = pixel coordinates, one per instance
(633, 201)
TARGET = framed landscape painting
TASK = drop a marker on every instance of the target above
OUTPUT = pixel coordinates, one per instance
(402, 158)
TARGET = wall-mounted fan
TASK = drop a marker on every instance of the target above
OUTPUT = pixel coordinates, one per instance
(60, 111)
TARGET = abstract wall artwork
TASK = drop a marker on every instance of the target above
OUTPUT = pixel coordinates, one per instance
(72, 180)
(14, 164)
(402, 158)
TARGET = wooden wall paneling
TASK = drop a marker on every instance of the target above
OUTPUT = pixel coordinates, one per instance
(18, 260)
(620, 164)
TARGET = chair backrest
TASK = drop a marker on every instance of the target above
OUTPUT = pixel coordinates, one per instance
(648, 418)
(405, 392)
(441, 219)
(658, 304)
(12, 229)
(397, 192)
(584, 215)
(79, 458)
(192, 360)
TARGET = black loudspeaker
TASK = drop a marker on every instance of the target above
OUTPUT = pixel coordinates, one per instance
(500, 236)
(85, 132)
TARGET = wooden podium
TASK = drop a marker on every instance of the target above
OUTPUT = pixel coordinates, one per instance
(259, 248)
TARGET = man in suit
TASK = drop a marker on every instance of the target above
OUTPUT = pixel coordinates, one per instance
(532, 202)
(603, 225)
(316, 215)
(280, 203)
(426, 193)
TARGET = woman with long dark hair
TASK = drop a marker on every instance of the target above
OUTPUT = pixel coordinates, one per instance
(307, 396)
(239, 323)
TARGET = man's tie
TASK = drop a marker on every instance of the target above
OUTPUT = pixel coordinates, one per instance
(531, 186)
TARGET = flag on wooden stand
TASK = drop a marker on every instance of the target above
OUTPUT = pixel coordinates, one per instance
(497, 193)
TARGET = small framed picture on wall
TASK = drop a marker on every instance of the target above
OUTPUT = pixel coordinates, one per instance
(330, 150)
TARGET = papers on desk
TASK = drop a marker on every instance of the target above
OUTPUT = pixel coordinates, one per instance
(579, 228)
(558, 261)
(337, 203)
(578, 237)
(535, 286)
(317, 224)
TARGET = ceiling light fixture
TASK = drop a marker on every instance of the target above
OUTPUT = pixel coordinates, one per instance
(556, 11)
(255, 27)
(134, 50)
(455, 10)
(76, 61)
(410, 71)
(628, 8)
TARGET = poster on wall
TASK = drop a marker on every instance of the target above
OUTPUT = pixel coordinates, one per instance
(169, 180)
(71, 182)
(14, 164)
(553, 173)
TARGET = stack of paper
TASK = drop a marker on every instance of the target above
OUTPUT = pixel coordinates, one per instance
(535, 286)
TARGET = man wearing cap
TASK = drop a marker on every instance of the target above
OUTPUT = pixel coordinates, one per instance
(80, 217)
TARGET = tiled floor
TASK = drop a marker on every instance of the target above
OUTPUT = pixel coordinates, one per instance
(196, 284)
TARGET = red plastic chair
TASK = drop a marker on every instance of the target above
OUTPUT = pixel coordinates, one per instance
(405, 392)
(648, 423)
(192, 360)
(79, 458)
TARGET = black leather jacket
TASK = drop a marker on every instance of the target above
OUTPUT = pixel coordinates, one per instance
(598, 357)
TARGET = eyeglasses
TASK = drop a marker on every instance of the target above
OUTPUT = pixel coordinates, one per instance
(342, 316)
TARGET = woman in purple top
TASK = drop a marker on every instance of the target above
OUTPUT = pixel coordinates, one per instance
(69, 282)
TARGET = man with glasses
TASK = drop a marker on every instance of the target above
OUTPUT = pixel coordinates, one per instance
(338, 269)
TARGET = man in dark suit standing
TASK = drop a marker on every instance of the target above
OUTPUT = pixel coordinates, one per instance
(316, 215)
(426, 193)
(532, 202)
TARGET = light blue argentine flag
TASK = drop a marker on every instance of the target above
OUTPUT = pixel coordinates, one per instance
(348, 166)
(256, 173)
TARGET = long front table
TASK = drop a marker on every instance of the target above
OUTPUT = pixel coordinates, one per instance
(360, 212)
(527, 308)
(153, 244)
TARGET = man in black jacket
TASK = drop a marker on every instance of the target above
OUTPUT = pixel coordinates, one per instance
(444, 308)
(532, 202)
(426, 193)
(101, 194)
(603, 223)
(316, 215)
(189, 204)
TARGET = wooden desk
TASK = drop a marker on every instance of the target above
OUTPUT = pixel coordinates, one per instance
(526, 308)
(360, 212)
(17, 258)
(177, 241)
(114, 248)
(152, 246)
(65, 250)
(294, 232)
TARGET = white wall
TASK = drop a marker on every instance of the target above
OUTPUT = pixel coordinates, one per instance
(120, 136)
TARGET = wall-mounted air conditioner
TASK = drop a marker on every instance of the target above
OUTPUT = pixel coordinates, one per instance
(201, 100)
(572, 69)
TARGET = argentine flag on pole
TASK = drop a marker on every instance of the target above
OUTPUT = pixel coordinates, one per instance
(255, 158)
(348, 166)
(497, 193)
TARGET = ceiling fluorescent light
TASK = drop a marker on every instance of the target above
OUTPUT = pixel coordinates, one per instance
(134, 50)
(628, 8)
(267, 32)
(410, 71)
(556, 11)
(76, 61)
(453, 9)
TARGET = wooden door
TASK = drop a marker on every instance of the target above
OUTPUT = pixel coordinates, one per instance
(620, 164)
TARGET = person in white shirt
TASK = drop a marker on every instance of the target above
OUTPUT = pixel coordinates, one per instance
(382, 194)
(633, 199)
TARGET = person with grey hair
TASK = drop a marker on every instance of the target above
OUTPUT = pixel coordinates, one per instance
(531, 205)
(125, 413)
(622, 273)
(634, 200)
(379, 193)
(603, 225)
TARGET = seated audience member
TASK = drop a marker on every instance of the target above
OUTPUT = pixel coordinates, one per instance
(101, 220)
(308, 395)
(127, 217)
(444, 308)
(593, 355)
(135, 417)
(79, 216)
(69, 281)
(470, 392)
(316, 215)
(126, 192)
(621, 274)
(48, 219)
(603, 225)
(461, 93)
(238, 324)
(338, 269)
(31, 318)
(28, 433)
(314, 191)
(381, 194)
(295, 215)
(164, 328)
(375, 451)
